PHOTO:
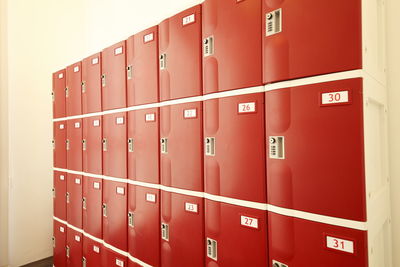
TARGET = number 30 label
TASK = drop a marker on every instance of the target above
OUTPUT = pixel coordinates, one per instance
(340, 244)
(335, 97)
(249, 222)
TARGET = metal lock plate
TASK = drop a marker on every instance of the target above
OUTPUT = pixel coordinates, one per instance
(130, 144)
(67, 142)
(278, 264)
(83, 262)
(53, 239)
(164, 145)
(276, 147)
(104, 144)
(165, 231)
(84, 144)
(84, 203)
(54, 192)
(103, 80)
(53, 143)
(67, 251)
(211, 248)
(273, 22)
(66, 92)
(130, 219)
(129, 72)
(53, 97)
(208, 46)
(67, 195)
(209, 143)
(104, 206)
(83, 87)
(163, 61)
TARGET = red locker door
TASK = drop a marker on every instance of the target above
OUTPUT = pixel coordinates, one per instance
(74, 248)
(92, 203)
(91, 145)
(115, 145)
(232, 52)
(182, 146)
(113, 78)
(308, 38)
(59, 244)
(180, 55)
(315, 151)
(73, 91)
(234, 140)
(111, 258)
(142, 67)
(144, 224)
(59, 195)
(91, 84)
(235, 236)
(74, 200)
(74, 144)
(59, 94)
(182, 230)
(143, 145)
(115, 222)
(59, 144)
(297, 242)
(92, 251)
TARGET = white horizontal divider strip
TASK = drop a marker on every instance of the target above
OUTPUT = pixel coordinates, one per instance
(146, 106)
(181, 101)
(92, 175)
(136, 260)
(59, 220)
(143, 184)
(119, 251)
(115, 179)
(237, 92)
(182, 191)
(237, 202)
(98, 240)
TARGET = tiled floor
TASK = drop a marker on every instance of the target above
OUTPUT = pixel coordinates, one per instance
(42, 263)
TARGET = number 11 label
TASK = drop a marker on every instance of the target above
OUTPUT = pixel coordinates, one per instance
(340, 244)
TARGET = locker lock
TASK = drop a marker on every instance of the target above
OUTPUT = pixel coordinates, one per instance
(163, 61)
(66, 91)
(103, 80)
(67, 197)
(54, 192)
(129, 72)
(130, 219)
(68, 143)
(54, 143)
(83, 262)
(130, 144)
(276, 147)
(104, 206)
(278, 264)
(208, 46)
(165, 231)
(67, 251)
(164, 145)
(104, 141)
(83, 84)
(211, 248)
(53, 239)
(209, 143)
(273, 22)
(84, 144)
(84, 203)
(53, 96)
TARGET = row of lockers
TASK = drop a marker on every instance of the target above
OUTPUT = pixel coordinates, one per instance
(216, 46)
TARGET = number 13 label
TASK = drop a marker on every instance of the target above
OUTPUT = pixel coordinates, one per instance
(340, 244)
(249, 222)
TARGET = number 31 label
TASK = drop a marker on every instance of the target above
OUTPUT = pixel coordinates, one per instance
(335, 97)
(249, 222)
(340, 244)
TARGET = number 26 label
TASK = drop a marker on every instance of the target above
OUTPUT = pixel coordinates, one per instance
(340, 244)
(247, 107)
(249, 222)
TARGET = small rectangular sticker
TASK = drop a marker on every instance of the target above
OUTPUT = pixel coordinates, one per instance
(61, 75)
(61, 126)
(151, 197)
(76, 68)
(118, 50)
(77, 124)
(62, 230)
(120, 190)
(150, 117)
(96, 123)
(77, 238)
(148, 37)
(96, 249)
(247, 107)
(249, 222)
(191, 207)
(95, 60)
(62, 177)
(120, 120)
(188, 19)
(96, 185)
(190, 113)
(340, 244)
(77, 180)
(335, 97)
(119, 262)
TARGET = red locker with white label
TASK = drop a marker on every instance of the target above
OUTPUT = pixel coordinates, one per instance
(59, 144)
(92, 145)
(115, 222)
(58, 94)
(110, 258)
(310, 38)
(59, 195)
(181, 141)
(74, 248)
(180, 55)
(74, 144)
(235, 236)
(113, 76)
(232, 53)
(91, 84)
(298, 242)
(142, 67)
(234, 134)
(144, 224)
(73, 91)
(59, 244)
(315, 155)
(115, 145)
(182, 230)
(92, 206)
(144, 145)
(92, 251)
(74, 200)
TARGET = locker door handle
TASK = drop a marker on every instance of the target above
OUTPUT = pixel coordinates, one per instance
(68, 143)
(104, 144)
(67, 197)
(83, 84)
(129, 72)
(211, 248)
(84, 144)
(83, 262)
(103, 80)
(130, 219)
(130, 144)
(278, 264)
(67, 251)
(104, 210)
(84, 203)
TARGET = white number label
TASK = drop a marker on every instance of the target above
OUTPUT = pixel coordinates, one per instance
(96, 123)
(150, 117)
(191, 207)
(62, 230)
(61, 126)
(151, 198)
(77, 238)
(77, 124)
(95, 60)
(188, 19)
(120, 190)
(76, 69)
(118, 50)
(62, 177)
(335, 97)
(189, 113)
(120, 120)
(247, 107)
(148, 37)
(249, 222)
(61, 75)
(340, 244)
(96, 185)
(119, 263)
(96, 249)
(78, 181)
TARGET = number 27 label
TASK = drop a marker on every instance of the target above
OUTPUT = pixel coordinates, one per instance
(340, 244)
(249, 222)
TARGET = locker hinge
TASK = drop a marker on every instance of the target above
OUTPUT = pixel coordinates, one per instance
(208, 46)
(212, 248)
(67, 251)
(103, 80)
(54, 192)
(84, 203)
(130, 219)
(130, 144)
(83, 84)
(278, 264)
(104, 209)
(67, 195)
(83, 262)
(276, 147)
(67, 142)
(54, 143)
(53, 239)
(164, 145)
(66, 91)
(209, 143)
(104, 144)
(53, 97)
(163, 61)
(129, 72)
(84, 144)
(273, 22)
(165, 231)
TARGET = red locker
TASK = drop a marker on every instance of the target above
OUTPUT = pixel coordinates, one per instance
(92, 145)
(234, 134)
(73, 91)
(298, 242)
(182, 146)
(115, 145)
(144, 224)
(111, 258)
(92, 251)
(74, 144)
(58, 94)
(59, 195)
(92, 206)
(59, 144)
(315, 152)
(115, 222)
(91, 84)
(59, 244)
(235, 236)
(143, 145)
(74, 248)
(308, 38)
(113, 78)
(142, 67)
(232, 53)
(180, 55)
(182, 230)
(74, 200)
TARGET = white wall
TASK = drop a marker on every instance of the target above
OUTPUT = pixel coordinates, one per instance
(43, 36)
